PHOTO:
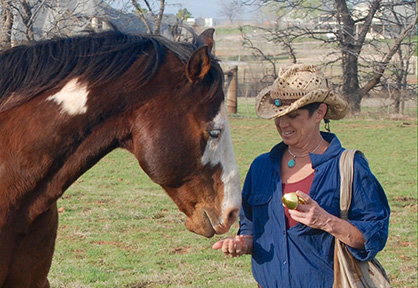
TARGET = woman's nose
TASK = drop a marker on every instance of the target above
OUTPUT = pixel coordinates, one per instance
(281, 122)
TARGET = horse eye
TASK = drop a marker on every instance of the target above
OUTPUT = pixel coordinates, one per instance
(215, 133)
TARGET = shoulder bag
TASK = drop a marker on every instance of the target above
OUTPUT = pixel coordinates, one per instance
(348, 271)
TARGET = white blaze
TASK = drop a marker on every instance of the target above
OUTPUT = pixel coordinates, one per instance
(220, 151)
(72, 98)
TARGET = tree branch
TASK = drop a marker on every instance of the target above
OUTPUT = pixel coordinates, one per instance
(379, 73)
(141, 15)
(368, 22)
(160, 17)
(247, 42)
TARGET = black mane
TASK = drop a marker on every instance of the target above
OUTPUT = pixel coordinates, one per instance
(28, 70)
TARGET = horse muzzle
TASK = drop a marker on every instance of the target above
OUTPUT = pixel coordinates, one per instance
(206, 223)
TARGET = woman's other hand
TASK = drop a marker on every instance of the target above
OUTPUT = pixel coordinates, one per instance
(310, 213)
(313, 215)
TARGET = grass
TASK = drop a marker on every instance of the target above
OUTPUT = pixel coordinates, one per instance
(118, 229)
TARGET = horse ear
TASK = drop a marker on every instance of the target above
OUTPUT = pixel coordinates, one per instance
(198, 65)
(207, 37)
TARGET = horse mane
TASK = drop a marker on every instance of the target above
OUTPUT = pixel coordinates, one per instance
(28, 70)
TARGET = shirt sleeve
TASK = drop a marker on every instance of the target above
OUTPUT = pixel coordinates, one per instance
(246, 223)
(369, 210)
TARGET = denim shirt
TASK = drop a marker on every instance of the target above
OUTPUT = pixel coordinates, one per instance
(302, 256)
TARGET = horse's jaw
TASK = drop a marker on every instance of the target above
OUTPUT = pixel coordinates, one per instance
(202, 227)
(209, 215)
(202, 223)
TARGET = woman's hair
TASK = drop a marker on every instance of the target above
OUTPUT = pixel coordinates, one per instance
(311, 107)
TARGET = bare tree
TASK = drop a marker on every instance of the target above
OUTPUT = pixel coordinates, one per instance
(27, 12)
(18, 17)
(177, 28)
(6, 24)
(396, 82)
(351, 29)
(231, 9)
(145, 8)
(57, 18)
(352, 46)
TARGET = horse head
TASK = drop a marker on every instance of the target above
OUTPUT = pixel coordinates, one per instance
(182, 141)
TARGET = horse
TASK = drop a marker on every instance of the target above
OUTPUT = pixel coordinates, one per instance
(67, 102)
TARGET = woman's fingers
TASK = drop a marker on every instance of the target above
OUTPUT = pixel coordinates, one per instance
(232, 246)
(305, 197)
(218, 245)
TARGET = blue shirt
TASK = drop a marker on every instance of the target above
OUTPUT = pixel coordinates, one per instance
(302, 256)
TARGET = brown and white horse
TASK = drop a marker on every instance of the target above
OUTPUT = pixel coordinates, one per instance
(66, 103)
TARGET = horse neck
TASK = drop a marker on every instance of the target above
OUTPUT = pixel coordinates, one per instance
(46, 152)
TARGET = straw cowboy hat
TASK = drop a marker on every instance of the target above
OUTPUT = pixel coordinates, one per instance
(298, 85)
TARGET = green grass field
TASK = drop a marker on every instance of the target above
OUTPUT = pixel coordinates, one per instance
(118, 229)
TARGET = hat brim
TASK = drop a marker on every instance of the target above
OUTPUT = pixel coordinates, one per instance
(265, 108)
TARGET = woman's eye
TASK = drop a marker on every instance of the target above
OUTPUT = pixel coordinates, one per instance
(215, 133)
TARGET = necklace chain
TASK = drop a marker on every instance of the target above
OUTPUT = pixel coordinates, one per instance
(292, 162)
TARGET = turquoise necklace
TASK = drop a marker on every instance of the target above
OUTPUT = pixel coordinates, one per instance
(292, 161)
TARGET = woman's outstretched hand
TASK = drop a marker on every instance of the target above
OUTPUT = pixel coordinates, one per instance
(235, 246)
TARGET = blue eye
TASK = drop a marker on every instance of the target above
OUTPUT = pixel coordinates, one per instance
(215, 133)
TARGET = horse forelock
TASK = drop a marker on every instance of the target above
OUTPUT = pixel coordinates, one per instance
(29, 70)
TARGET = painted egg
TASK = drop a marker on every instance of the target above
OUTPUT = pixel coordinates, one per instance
(291, 200)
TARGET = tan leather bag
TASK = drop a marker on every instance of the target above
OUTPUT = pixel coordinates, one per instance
(348, 271)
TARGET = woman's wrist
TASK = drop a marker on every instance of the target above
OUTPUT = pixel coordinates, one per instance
(249, 243)
(345, 232)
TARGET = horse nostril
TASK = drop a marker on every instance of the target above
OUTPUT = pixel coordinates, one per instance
(232, 216)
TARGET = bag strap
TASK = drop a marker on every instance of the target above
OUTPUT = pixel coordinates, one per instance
(346, 175)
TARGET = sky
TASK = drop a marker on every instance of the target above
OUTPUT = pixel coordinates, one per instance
(198, 8)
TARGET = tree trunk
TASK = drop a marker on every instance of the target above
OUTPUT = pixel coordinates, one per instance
(159, 18)
(396, 101)
(27, 19)
(352, 42)
(6, 24)
(350, 83)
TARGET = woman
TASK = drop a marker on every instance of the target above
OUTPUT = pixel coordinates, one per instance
(295, 248)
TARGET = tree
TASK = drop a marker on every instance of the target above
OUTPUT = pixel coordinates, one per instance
(51, 18)
(351, 26)
(230, 9)
(177, 29)
(183, 14)
(13, 10)
(351, 47)
(396, 82)
(156, 17)
(6, 24)
(17, 17)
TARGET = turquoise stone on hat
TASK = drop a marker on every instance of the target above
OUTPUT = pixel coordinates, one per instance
(277, 102)
(291, 163)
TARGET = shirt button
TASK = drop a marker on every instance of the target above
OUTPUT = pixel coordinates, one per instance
(284, 262)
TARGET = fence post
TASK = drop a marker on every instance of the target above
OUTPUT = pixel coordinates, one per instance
(232, 91)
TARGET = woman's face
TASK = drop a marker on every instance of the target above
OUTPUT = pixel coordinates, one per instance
(298, 128)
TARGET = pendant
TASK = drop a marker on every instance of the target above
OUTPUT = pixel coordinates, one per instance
(291, 163)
